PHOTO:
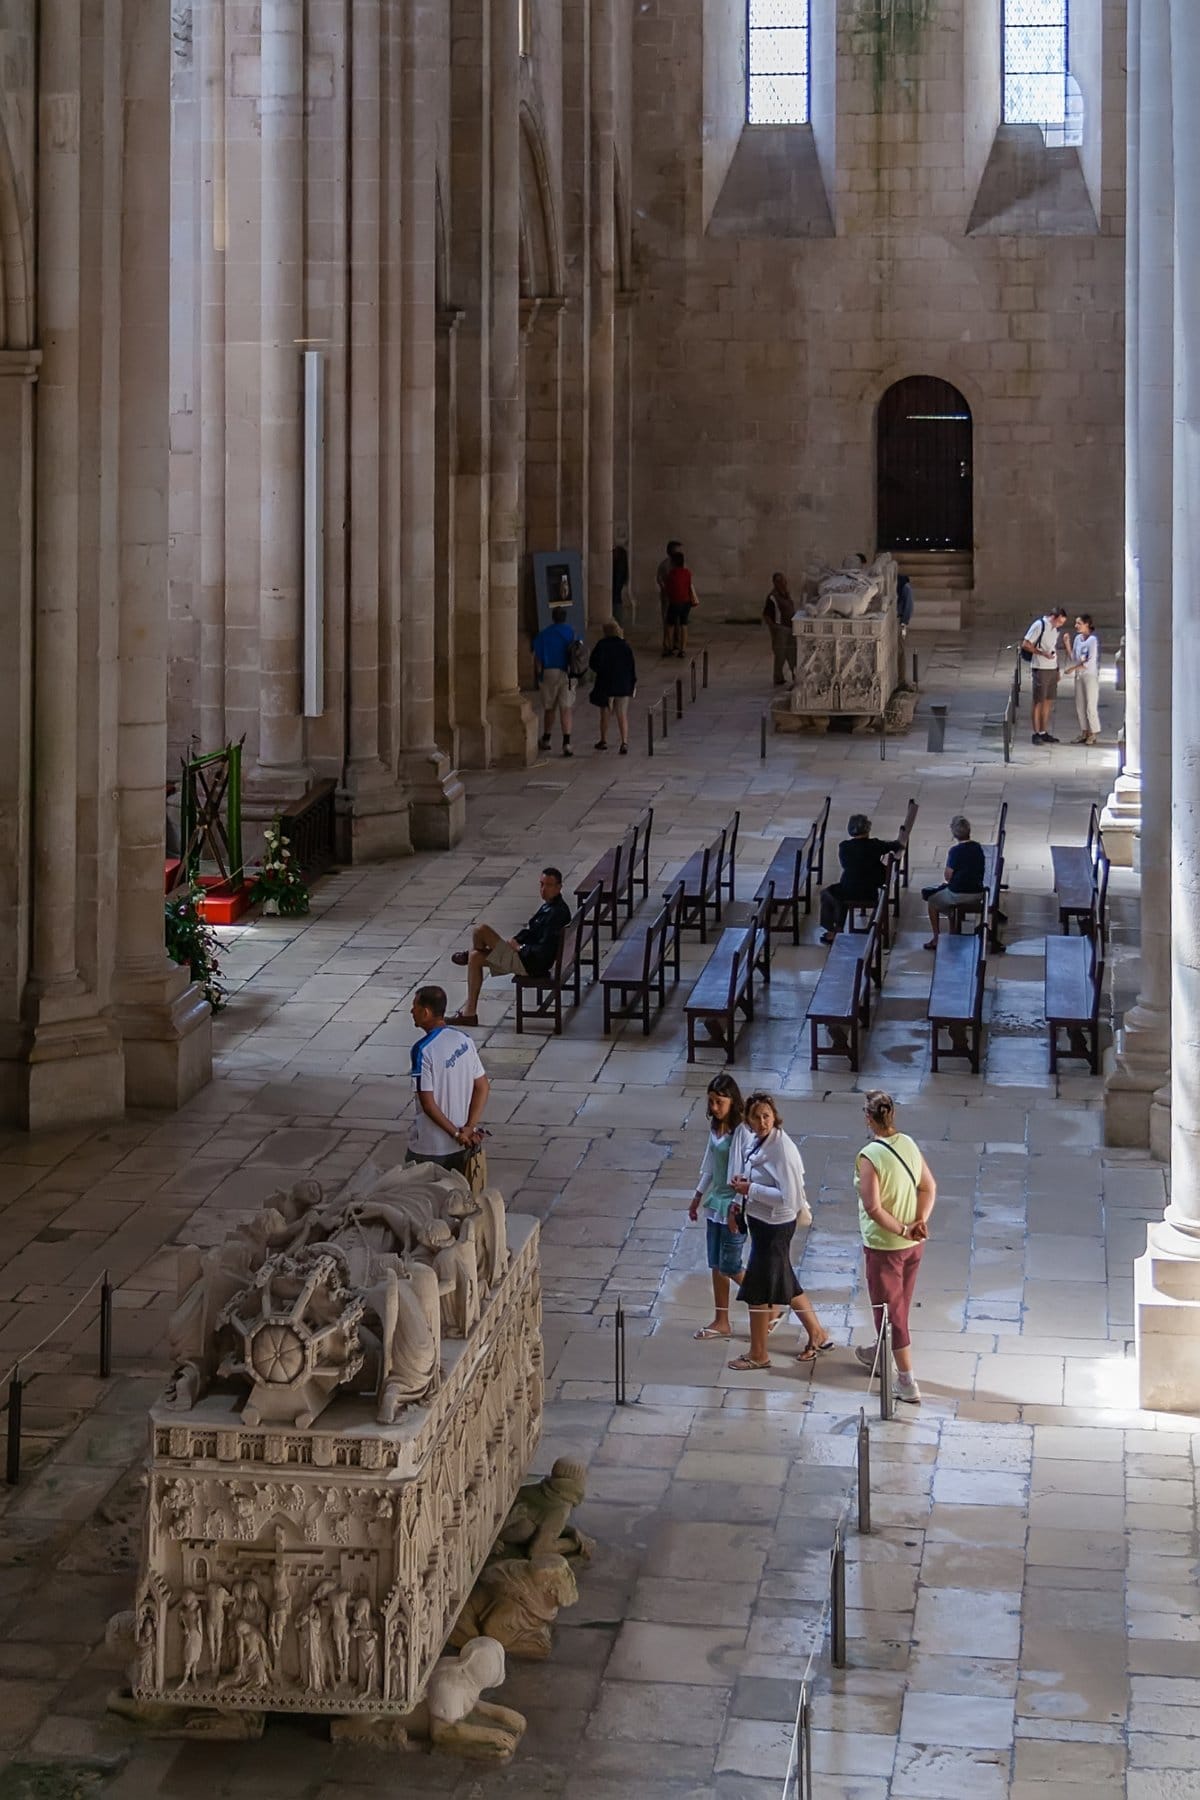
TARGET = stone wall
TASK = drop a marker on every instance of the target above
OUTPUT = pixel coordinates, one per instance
(763, 348)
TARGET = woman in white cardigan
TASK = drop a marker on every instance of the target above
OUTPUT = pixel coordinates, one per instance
(772, 1201)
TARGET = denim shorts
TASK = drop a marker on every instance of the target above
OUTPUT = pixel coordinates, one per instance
(725, 1248)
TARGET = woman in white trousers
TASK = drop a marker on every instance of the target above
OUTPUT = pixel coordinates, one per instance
(1085, 666)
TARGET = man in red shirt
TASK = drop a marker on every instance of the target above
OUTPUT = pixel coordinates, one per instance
(681, 597)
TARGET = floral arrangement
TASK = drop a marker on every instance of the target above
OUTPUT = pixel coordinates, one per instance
(193, 943)
(279, 886)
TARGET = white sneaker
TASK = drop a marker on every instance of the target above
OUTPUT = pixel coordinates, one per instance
(906, 1389)
(866, 1354)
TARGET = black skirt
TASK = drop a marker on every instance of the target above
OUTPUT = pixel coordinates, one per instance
(770, 1279)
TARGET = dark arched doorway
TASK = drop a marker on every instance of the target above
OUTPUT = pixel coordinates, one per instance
(924, 468)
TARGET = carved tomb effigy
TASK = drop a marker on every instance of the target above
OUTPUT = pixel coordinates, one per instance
(357, 1395)
(847, 646)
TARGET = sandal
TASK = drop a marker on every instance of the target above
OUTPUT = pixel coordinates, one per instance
(744, 1362)
(461, 958)
(462, 1018)
(932, 944)
(811, 1351)
(708, 1332)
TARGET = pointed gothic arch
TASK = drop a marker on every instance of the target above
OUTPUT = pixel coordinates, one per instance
(541, 260)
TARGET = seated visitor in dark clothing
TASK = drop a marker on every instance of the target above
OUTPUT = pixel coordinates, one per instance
(863, 874)
(531, 952)
(963, 882)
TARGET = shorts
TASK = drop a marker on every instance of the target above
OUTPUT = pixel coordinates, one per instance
(946, 902)
(1045, 684)
(456, 1161)
(726, 1248)
(620, 706)
(678, 615)
(504, 960)
(556, 689)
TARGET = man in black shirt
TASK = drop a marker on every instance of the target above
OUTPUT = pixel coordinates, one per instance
(531, 952)
(863, 874)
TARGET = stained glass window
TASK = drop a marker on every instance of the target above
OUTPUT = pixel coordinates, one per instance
(1038, 89)
(777, 62)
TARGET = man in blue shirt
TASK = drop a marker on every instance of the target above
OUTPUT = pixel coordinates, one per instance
(551, 666)
(963, 881)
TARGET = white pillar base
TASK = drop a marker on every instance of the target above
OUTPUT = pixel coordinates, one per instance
(1121, 821)
(166, 1034)
(1166, 1307)
(437, 799)
(1141, 1069)
(61, 1071)
(1160, 1124)
(373, 821)
(514, 726)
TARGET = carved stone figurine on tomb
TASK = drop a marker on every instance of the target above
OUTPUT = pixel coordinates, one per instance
(516, 1601)
(539, 1523)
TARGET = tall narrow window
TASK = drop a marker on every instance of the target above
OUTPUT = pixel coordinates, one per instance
(777, 45)
(1038, 89)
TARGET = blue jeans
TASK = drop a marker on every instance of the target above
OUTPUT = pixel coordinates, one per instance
(725, 1248)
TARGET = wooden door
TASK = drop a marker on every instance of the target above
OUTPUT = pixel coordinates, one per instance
(924, 467)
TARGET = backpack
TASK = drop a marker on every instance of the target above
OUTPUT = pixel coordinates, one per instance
(577, 660)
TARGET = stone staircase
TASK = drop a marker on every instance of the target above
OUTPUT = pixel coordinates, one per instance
(942, 583)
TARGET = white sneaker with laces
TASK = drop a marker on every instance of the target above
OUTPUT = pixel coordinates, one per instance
(906, 1389)
(866, 1355)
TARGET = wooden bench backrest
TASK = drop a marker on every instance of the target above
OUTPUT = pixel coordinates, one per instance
(820, 825)
(761, 916)
(1093, 836)
(729, 861)
(1002, 826)
(656, 940)
(642, 830)
(570, 940)
(714, 863)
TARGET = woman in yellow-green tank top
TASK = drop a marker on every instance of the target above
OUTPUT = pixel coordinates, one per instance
(896, 1194)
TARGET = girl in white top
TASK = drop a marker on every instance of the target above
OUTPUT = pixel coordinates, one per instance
(1085, 665)
(729, 1143)
(772, 1202)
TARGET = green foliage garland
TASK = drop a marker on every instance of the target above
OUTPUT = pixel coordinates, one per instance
(193, 943)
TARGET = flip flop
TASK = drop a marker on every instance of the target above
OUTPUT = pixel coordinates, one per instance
(461, 958)
(811, 1352)
(743, 1362)
(461, 1018)
(708, 1332)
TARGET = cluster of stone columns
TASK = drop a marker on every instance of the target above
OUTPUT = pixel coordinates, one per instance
(1166, 523)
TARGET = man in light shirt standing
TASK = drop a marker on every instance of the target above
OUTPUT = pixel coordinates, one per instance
(1085, 666)
(1041, 643)
(450, 1085)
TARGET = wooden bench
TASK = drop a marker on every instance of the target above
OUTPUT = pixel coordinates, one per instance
(639, 864)
(1074, 983)
(579, 943)
(701, 883)
(1076, 876)
(790, 876)
(899, 869)
(613, 875)
(956, 996)
(725, 985)
(841, 1001)
(821, 826)
(637, 972)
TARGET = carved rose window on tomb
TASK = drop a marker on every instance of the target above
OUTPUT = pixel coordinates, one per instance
(1038, 86)
(777, 62)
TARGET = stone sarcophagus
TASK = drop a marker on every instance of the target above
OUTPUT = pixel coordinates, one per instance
(845, 665)
(357, 1397)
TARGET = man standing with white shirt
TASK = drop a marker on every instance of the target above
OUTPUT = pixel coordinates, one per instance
(1041, 644)
(450, 1086)
(1085, 666)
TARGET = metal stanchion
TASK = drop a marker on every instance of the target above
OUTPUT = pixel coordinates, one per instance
(704, 669)
(837, 1602)
(619, 1355)
(679, 696)
(665, 726)
(762, 738)
(883, 739)
(801, 1772)
(649, 731)
(916, 682)
(887, 1404)
(692, 671)
(15, 1386)
(105, 1327)
(864, 1472)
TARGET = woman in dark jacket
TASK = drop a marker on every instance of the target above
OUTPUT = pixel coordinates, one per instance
(615, 684)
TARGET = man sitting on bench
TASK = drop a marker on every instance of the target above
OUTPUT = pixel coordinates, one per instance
(863, 874)
(531, 952)
(962, 880)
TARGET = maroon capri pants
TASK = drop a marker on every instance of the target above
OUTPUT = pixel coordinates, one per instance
(891, 1278)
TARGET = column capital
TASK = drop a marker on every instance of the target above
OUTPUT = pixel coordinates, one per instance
(20, 365)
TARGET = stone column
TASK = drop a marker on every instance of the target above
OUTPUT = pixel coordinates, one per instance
(602, 271)
(445, 458)
(166, 1024)
(281, 772)
(1167, 1276)
(510, 715)
(210, 426)
(437, 798)
(68, 1064)
(1137, 1097)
